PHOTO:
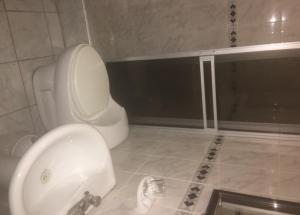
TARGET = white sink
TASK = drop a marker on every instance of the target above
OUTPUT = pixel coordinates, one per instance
(56, 171)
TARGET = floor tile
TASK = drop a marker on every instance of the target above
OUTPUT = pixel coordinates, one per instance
(171, 135)
(289, 185)
(183, 150)
(122, 178)
(170, 168)
(127, 161)
(289, 162)
(249, 144)
(264, 160)
(245, 179)
(117, 205)
(114, 205)
(174, 191)
(139, 146)
(289, 147)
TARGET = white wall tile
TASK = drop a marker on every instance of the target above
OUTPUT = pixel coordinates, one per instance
(55, 33)
(14, 126)
(6, 46)
(30, 34)
(37, 121)
(24, 5)
(12, 95)
(50, 5)
(1, 5)
(28, 67)
(73, 23)
(25, 44)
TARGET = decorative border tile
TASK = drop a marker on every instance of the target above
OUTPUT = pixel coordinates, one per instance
(193, 193)
(191, 197)
(232, 23)
(207, 164)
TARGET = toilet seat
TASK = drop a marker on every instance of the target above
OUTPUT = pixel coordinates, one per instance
(89, 84)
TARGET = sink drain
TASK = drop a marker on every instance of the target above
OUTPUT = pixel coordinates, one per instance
(45, 176)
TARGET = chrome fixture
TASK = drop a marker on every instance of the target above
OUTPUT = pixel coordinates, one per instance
(84, 204)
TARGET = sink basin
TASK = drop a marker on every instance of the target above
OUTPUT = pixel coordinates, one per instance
(58, 169)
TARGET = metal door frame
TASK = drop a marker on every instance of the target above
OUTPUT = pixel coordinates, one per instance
(210, 59)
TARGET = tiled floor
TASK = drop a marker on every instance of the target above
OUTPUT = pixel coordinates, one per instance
(193, 163)
(264, 167)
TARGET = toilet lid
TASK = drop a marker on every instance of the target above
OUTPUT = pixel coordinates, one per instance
(89, 82)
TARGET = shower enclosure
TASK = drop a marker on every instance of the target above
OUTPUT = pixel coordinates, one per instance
(253, 88)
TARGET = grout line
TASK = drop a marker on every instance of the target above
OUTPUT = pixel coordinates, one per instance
(166, 156)
(13, 112)
(49, 34)
(20, 73)
(187, 181)
(133, 174)
(26, 59)
(48, 27)
(60, 23)
(30, 11)
(87, 27)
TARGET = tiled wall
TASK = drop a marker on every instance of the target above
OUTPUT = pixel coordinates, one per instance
(126, 28)
(72, 21)
(30, 36)
(271, 21)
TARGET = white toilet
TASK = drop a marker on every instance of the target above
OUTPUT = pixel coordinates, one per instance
(66, 172)
(76, 90)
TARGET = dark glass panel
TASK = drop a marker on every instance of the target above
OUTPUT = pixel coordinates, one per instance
(158, 92)
(229, 203)
(259, 91)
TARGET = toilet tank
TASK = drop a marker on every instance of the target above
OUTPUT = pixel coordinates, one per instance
(43, 85)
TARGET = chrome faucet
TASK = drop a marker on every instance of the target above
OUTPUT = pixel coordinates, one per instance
(84, 204)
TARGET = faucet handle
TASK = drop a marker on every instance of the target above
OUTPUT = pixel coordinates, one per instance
(83, 205)
(95, 200)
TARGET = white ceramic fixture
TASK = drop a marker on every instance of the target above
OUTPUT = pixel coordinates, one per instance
(67, 166)
(76, 90)
(9, 160)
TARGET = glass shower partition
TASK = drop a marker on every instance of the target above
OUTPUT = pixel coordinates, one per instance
(164, 92)
(253, 89)
(259, 91)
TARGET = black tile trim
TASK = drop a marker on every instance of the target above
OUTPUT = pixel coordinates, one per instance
(191, 197)
(193, 193)
(207, 164)
(232, 23)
